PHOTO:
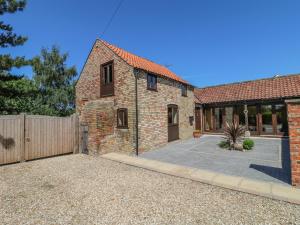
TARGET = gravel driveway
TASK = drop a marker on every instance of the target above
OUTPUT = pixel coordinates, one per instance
(81, 189)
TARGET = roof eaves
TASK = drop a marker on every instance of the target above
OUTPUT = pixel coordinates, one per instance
(250, 81)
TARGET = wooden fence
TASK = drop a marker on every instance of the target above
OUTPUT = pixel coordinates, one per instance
(26, 137)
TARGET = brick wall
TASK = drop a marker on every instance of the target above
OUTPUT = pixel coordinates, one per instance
(153, 124)
(293, 108)
(100, 113)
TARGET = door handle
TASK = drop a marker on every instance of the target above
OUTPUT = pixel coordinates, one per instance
(27, 139)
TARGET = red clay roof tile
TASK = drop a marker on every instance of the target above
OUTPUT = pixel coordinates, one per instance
(144, 64)
(270, 88)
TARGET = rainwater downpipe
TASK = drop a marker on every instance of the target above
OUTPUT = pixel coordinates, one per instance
(136, 72)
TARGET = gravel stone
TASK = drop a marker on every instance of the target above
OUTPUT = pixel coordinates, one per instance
(82, 189)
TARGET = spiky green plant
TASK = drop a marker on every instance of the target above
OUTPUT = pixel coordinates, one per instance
(233, 133)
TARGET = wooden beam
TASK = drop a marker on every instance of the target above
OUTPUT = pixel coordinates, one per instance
(246, 117)
(274, 120)
(258, 120)
(22, 117)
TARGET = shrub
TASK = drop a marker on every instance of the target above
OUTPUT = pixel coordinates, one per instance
(248, 144)
(224, 144)
(233, 133)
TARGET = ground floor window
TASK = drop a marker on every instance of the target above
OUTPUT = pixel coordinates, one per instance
(263, 119)
(219, 112)
(252, 119)
(229, 114)
(281, 119)
(122, 118)
(240, 111)
(172, 115)
(208, 119)
(267, 123)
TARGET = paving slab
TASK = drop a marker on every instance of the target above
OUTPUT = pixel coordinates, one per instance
(227, 180)
(266, 189)
(256, 187)
(285, 192)
(203, 175)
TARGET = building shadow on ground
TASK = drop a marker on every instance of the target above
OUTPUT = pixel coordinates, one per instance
(282, 174)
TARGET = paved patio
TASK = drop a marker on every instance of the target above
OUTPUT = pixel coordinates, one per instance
(268, 161)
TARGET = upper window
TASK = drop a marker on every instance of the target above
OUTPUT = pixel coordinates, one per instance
(108, 74)
(107, 79)
(151, 81)
(183, 90)
(122, 118)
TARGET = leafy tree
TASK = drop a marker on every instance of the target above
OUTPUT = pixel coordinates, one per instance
(17, 95)
(7, 36)
(16, 92)
(55, 81)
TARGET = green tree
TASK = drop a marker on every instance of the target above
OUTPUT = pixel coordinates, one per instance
(17, 95)
(7, 36)
(16, 92)
(55, 81)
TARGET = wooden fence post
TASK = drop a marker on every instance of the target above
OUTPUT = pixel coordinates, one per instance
(79, 139)
(75, 122)
(83, 138)
(22, 117)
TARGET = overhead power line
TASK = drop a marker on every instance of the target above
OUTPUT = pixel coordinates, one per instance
(112, 17)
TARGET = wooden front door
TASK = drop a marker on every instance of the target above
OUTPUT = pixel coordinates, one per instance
(198, 118)
(173, 119)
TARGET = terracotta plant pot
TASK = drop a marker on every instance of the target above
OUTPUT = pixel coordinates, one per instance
(196, 134)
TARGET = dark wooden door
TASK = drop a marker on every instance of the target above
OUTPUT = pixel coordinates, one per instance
(173, 119)
(198, 118)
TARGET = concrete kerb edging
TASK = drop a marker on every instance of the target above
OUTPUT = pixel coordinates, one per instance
(266, 189)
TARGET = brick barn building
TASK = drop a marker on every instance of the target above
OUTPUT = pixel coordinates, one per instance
(124, 98)
(130, 103)
(267, 107)
(263, 101)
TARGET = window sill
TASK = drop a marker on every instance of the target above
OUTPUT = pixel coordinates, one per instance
(152, 89)
(104, 96)
(122, 128)
(172, 125)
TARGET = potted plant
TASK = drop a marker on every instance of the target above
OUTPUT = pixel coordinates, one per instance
(196, 133)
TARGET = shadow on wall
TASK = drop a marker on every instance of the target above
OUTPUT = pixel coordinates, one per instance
(284, 173)
(7, 143)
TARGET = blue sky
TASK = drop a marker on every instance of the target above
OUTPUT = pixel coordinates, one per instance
(207, 42)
